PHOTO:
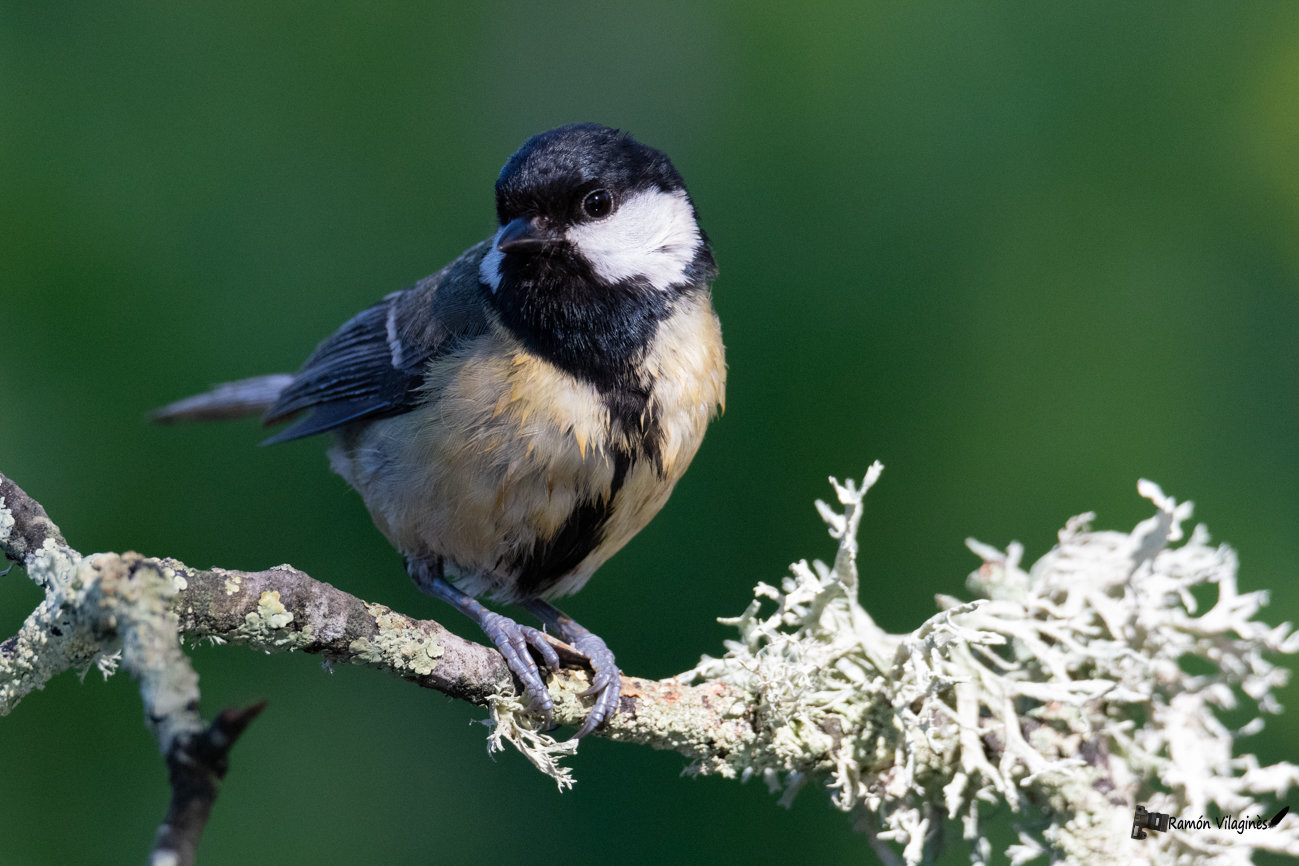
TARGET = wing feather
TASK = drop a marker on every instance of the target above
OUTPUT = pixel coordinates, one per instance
(374, 364)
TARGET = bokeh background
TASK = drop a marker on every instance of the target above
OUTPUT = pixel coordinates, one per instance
(1024, 255)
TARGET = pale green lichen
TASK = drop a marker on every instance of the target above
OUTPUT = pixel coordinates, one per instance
(399, 643)
(233, 584)
(266, 626)
(272, 610)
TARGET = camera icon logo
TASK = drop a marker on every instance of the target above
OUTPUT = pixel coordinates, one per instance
(1143, 820)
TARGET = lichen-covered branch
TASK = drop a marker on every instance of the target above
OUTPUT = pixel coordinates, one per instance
(1025, 700)
(1055, 702)
(101, 605)
(24, 525)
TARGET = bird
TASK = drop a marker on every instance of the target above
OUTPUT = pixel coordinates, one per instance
(514, 419)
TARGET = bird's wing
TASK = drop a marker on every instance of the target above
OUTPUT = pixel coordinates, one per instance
(374, 364)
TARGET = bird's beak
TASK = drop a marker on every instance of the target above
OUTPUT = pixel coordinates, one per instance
(526, 236)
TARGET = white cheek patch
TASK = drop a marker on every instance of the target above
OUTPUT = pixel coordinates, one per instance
(652, 235)
(489, 269)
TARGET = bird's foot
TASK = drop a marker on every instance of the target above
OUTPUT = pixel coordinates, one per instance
(517, 643)
(514, 640)
(606, 683)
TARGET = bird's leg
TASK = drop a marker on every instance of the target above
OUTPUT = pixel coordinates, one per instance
(606, 684)
(512, 639)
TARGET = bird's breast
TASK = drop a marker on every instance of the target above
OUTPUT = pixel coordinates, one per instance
(524, 478)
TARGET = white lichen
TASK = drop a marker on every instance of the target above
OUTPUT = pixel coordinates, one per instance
(509, 723)
(1058, 700)
(101, 611)
(6, 519)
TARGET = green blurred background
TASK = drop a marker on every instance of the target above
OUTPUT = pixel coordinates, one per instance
(1024, 255)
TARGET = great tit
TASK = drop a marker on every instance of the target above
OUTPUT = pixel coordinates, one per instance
(514, 419)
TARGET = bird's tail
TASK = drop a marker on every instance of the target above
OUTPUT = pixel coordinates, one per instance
(231, 400)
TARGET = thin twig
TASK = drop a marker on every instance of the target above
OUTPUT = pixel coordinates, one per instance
(195, 766)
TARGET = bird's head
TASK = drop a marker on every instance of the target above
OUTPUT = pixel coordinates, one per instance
(590, 205)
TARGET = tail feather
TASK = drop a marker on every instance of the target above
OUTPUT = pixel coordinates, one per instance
(231, 400)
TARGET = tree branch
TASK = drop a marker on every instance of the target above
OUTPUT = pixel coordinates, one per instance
(283, 609)
(28, 524)
(195, 767)
(1022, 698)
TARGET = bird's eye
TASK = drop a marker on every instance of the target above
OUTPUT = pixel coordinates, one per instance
(598, 203)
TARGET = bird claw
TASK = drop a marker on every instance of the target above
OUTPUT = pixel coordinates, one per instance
(513, 641)
(606, 684)
(523, 645)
